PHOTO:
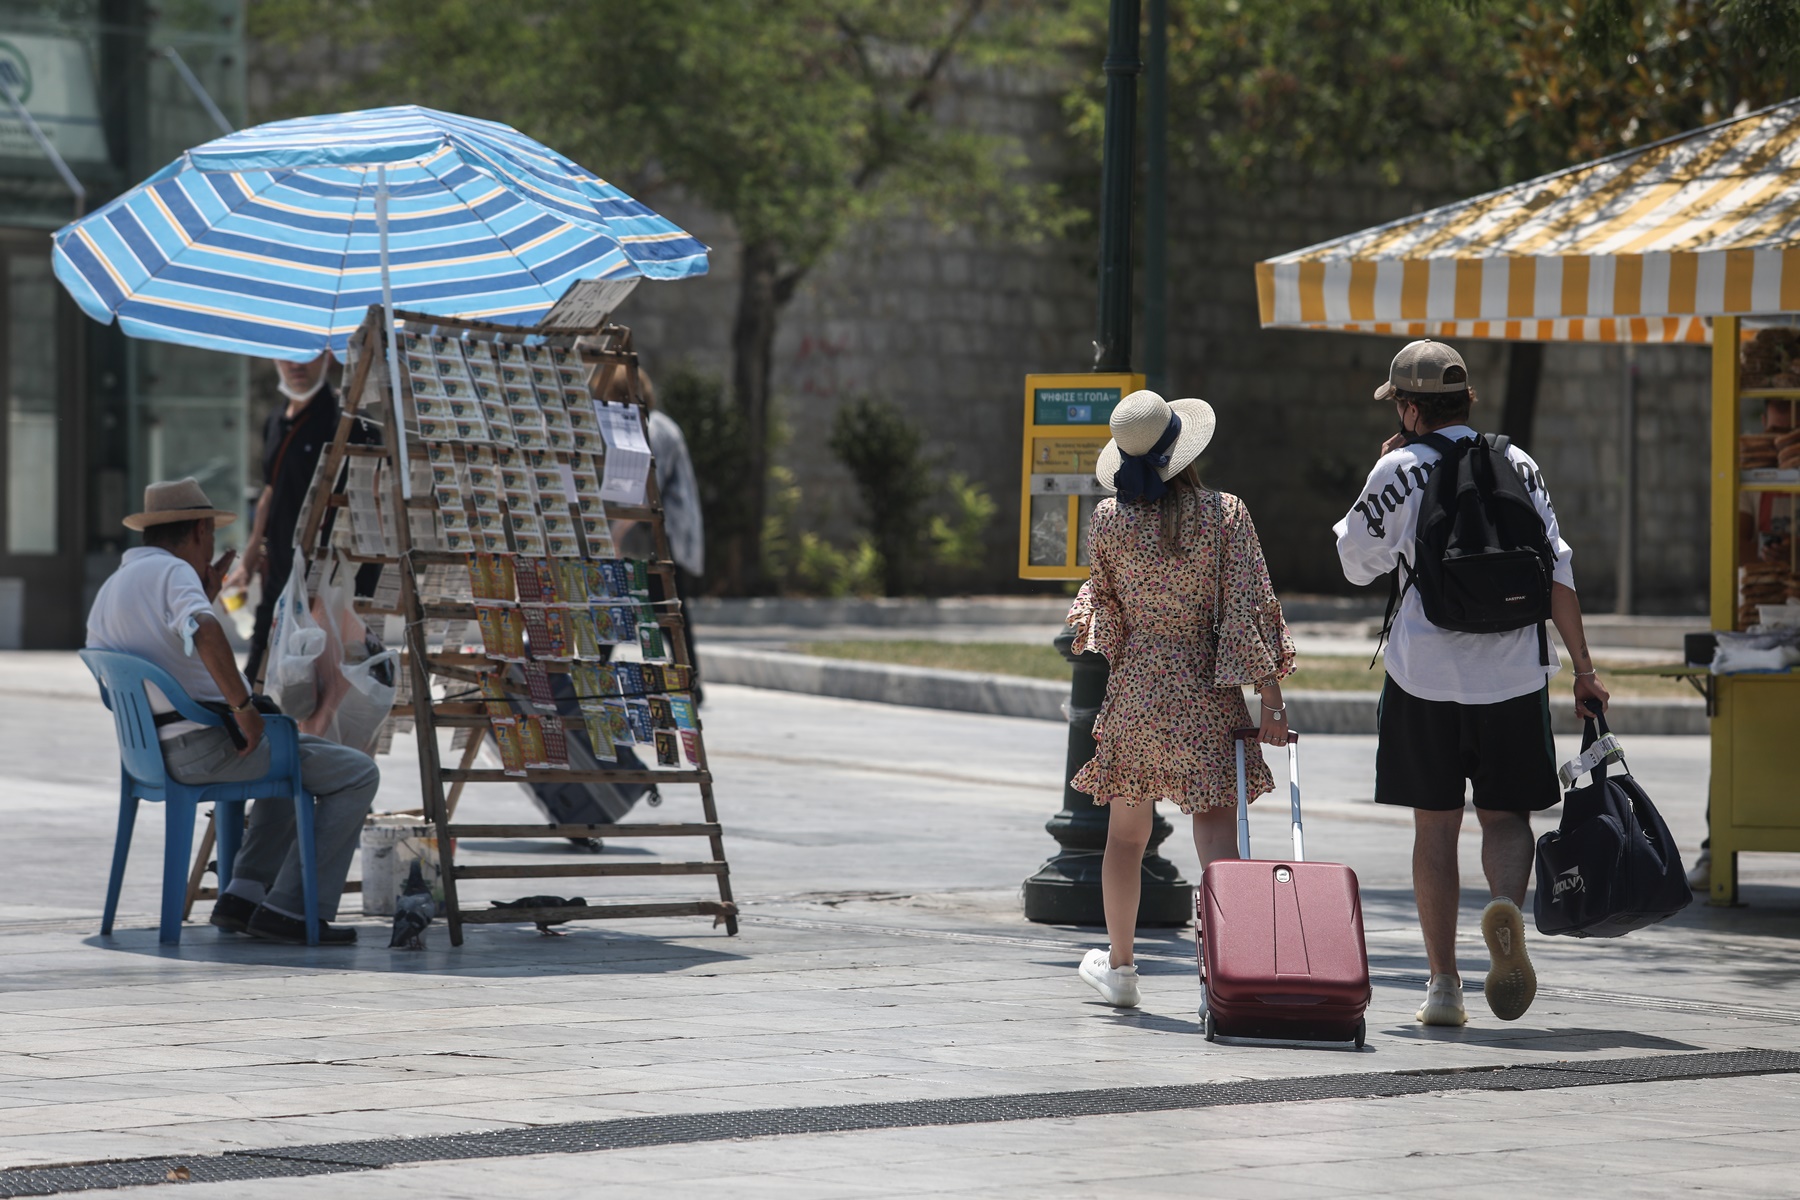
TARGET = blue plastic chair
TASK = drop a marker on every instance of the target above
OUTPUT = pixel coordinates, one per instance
(142, 777)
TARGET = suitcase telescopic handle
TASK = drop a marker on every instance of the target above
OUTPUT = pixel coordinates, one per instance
(1238, 738)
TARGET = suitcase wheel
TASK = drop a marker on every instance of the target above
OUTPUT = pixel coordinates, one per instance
(1210, 1026)
(1362, 1033)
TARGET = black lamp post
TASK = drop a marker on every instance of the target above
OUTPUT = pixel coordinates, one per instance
(1066, 889)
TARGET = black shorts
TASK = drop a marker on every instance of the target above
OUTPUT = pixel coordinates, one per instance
(1429, 747)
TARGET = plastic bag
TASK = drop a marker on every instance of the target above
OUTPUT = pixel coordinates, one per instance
(366, 704)
(354, 697)
(296, 644)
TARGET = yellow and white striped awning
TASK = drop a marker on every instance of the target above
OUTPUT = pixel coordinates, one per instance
(1642, 246)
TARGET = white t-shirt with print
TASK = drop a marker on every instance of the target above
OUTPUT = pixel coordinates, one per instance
(1425, 660)
(150, 607)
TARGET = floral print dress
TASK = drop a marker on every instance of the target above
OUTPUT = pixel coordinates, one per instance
(1173, 698)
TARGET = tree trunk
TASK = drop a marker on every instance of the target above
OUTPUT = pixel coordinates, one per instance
(1524, 367)
(752, 359)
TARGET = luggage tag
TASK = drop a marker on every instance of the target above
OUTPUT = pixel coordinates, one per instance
(1606, 749)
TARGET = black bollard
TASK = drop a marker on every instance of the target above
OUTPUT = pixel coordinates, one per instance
(1066, 889)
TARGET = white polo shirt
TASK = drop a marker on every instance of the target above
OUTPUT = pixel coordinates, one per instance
(150, 607)
(1423, 659)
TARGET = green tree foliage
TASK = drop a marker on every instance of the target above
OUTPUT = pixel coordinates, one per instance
(885, 455)
(797, 119)
(1471, 92)
(714, 429)
(1597, 76)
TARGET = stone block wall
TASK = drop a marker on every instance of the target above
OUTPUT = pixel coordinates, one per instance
(946, 324)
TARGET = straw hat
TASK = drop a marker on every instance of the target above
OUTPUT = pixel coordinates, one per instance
(1138, 424)
(179, 500)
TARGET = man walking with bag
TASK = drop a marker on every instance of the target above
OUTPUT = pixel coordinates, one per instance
(1464, 526)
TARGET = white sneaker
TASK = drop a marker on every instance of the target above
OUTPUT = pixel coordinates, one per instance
(1511, 981)
(1700, 874)
(1118, 986)
(1443, 1002)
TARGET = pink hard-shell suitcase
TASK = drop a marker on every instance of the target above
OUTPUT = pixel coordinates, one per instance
(1280, 940)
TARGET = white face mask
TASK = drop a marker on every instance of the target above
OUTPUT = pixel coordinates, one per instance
(302, 397)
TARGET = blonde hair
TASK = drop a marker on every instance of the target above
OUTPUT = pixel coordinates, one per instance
(1172, 509)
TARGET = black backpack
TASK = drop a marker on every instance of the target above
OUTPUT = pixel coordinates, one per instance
(1611, 867)
(1481, 561)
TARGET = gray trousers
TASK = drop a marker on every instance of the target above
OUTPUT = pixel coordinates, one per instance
(342, 781)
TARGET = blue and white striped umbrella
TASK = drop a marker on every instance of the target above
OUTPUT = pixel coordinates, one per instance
(274, 241)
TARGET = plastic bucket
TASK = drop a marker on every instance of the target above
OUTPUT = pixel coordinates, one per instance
(390, 845)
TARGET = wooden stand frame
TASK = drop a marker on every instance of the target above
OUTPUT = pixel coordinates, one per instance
(606, 352)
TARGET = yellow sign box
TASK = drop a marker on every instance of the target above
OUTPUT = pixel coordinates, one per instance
(1066, 426)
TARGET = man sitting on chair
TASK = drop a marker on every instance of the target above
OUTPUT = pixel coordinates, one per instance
(158, 606)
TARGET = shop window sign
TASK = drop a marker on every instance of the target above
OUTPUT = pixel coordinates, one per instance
(54, 79)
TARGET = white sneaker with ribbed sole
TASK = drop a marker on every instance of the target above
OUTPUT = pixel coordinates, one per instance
(1700, 874)
(1511, 981)
(1443, 1002)
(1118, 986)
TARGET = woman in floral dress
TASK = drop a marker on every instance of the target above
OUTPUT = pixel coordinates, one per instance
(1179, 602)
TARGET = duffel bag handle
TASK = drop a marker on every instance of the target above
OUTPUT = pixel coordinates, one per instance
(1598, 747)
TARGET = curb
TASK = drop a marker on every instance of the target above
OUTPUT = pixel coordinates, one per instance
(1043, 700)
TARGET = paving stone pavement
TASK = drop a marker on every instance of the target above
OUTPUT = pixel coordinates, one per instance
(877, 851)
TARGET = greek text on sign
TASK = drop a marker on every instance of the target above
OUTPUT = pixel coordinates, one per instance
(1074, 405)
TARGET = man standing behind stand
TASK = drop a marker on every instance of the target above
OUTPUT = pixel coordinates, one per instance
(293, 438)
(1460, 706)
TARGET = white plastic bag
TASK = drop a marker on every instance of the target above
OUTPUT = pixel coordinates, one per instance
(363, 708)
(354, 697)
(295, 645)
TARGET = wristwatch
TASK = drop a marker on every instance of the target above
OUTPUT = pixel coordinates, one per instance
(248, 704)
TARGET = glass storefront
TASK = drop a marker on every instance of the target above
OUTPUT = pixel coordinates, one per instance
(91, 416)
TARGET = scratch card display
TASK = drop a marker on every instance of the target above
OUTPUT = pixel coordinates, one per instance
(667, 754)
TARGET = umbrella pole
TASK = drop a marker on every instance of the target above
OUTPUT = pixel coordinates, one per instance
(393, 348)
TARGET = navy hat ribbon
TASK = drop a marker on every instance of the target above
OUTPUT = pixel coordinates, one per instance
(1138, 477)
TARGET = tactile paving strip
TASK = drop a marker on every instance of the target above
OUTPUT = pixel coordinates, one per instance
(584, 1137)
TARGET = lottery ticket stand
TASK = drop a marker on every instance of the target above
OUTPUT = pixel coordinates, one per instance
(488, 511)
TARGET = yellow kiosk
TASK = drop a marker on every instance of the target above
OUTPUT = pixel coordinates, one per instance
(1689, 240)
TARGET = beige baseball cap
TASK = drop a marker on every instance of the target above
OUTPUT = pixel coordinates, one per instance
(1425, 366)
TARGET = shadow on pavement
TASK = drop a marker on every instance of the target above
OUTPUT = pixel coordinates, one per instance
(1562, 1040)
(493, 951)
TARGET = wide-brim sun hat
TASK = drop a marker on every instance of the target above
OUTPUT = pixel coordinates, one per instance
(177, 500)
(1140, 422)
